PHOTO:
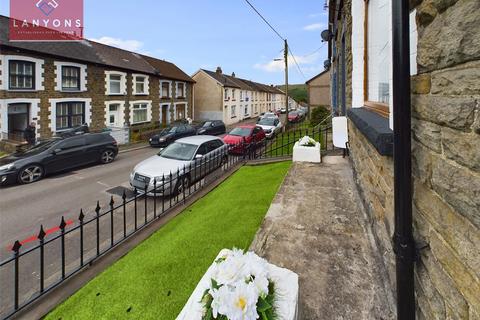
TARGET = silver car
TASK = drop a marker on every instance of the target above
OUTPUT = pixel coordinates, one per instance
(174, 168)
(271, 126)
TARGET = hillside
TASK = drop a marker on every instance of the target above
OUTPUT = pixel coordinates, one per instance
(297, 91)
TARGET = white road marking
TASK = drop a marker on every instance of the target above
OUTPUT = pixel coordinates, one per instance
(103, 184)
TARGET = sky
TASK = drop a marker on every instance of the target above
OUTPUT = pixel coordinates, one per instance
(196, 34)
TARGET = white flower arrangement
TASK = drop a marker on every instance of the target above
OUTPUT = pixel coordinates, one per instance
(307, 142)
(240, 289)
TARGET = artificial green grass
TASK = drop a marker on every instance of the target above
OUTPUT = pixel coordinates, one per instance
(155, 280)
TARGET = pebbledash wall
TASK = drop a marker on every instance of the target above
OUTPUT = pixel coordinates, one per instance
(93, 92)
(446, 158)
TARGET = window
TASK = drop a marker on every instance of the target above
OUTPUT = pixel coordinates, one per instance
(233, 112)
(21, 75)
(70, 115)
(241, 95)
(165, 89)
(73, 143)
(140, 113)
(233, 94)
(70, 78)
(246, 110)
(140, 85)
(226, 95)
(379, 51)
(180, 90)
(115, 84)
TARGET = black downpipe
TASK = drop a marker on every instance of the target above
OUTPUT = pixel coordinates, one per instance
(403, 239)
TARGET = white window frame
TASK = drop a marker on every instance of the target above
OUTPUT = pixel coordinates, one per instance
(149, 110)
(123, 83)
(233, 94)
(175, 109)
(122, 111)
(146, 84)
(184, 90)
(34, 114)
(5, 85)
(226, 93)
(53, 110)
(233, 112)
(169, 89)
(58, 75)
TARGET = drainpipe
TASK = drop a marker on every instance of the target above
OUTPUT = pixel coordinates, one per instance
(403, 242)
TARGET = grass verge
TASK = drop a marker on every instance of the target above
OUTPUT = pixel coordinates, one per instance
(155, 279)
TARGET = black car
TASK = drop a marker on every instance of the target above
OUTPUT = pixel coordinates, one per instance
(168, 135)
(55, 155)
(212, 127)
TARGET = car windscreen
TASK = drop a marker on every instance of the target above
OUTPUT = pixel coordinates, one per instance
(179, 151)
(40, 146)
(267, 122)
(173, 129)
(293, 113)
(207, 124)
(242, 132)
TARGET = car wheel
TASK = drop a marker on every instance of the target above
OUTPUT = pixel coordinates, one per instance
(183, 184)
(107, 156)
(30, 174)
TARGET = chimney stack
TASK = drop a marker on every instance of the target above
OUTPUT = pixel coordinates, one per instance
(219, 70)
(233, 74)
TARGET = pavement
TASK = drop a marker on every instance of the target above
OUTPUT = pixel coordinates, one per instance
(316, 228)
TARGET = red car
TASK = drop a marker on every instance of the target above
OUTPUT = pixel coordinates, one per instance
(242, 137)
(294, 116)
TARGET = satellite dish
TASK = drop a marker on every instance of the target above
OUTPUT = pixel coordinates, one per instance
(326, 35)
(327, 64)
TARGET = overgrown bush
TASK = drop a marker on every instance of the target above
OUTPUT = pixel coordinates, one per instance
(318, 114)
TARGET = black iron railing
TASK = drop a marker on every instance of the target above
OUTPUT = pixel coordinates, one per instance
(34, 270)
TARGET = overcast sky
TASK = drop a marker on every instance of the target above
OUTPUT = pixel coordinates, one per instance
(197, 34)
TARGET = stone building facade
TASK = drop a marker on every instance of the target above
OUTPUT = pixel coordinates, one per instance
(445, 69)
(146, 91)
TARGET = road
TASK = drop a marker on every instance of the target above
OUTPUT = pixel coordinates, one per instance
(25, 207)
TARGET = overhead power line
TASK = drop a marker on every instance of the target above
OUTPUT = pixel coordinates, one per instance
(296, 63)
(268, 23)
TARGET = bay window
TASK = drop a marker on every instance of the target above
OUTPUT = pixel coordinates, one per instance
(70, 78)
(21, 75)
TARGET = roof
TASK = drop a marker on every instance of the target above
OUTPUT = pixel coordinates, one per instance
(197, 140)
(96, 53)
(234, 82)
(318, 75)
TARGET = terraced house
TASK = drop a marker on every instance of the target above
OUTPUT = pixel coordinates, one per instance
(231, 99)
(60, 85)
(444, 38)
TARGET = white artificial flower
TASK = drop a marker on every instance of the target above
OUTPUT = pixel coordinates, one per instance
(231, 269)
(257, 268)
(241, 302)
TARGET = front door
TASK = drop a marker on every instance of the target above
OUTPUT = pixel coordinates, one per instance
(114, 116)
(165, 114)
(180, 112)
(18, 116)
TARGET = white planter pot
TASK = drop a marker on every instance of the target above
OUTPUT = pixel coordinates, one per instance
(286, 291)
(307, 154)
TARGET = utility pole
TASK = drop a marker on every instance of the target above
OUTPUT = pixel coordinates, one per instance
(286, 79)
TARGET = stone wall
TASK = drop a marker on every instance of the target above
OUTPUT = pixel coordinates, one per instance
(446, 159)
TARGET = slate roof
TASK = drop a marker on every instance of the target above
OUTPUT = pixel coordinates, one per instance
(96, 53)
(234, 82)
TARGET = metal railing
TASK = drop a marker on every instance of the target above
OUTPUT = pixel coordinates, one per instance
(32, 271)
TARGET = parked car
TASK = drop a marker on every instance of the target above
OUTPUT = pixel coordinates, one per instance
(271, 126)
(267, 115)
(283, 110)
(178, 165)
(212, 127)
(169, 135)
(241, 138)
(55, 155)
(295, 116)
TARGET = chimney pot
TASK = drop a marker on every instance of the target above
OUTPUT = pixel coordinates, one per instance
(233, 74)
(219, 70)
